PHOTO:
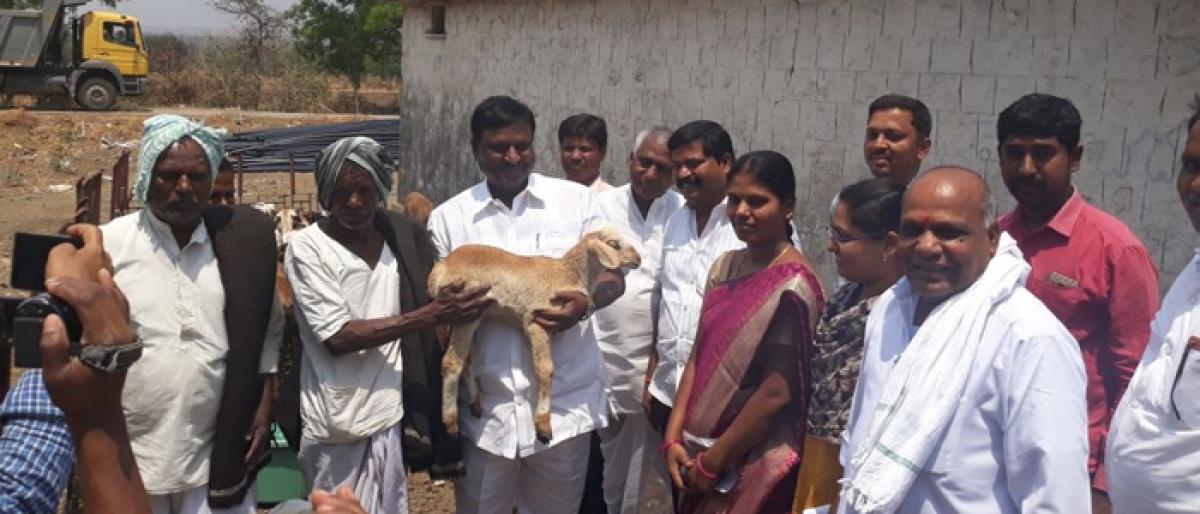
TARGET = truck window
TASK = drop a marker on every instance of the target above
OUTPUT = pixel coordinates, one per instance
(119, 33)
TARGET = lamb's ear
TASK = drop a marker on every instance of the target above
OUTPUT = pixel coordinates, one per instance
(606, 255)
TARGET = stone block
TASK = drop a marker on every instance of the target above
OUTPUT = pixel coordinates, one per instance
(833, 18)
(951, 54)
(1051, 56)
(803, 84)
(1133, 100)
(775, 83)
(940, 90)
(1087, 95)
(1180, 95)
(938, 17)
(825, 160)
(1123, 197)
(866, 18)
(899, 17)
(857, 53)
(745, 114)
(731, 52)
(1096, 18)
(1132, 57)
(782, 51)
(956, 134)
(976, 18)
(830, 49)
(1010, 17)
(985, 140)
(1103, 147)
(904, 83)
(1089, 57)
(1151, 151)
(914, 54)
(1009, 89)
(735, 22)
(869, 86)
(1004, 56)
(1179, 57)
(781, 22)
(756, 19)
(1136, 17)
(978, 94)
(851, 122)
(725, 79)
(764, 136)
(886, 54)
(785, 120)
(1051, 17)
(757, 50)
(807, 46)
(1179, 18)
(750, 81)
(700, 78)
(818, 121)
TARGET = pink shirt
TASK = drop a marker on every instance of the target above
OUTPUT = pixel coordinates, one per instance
(1098, 280)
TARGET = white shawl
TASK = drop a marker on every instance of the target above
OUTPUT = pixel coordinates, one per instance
(923, 390)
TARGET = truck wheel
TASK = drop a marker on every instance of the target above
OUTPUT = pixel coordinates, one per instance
(96, 94)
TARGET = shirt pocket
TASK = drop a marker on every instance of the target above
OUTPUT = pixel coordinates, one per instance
(1068, 302)
(555, 241)
(1184, 395)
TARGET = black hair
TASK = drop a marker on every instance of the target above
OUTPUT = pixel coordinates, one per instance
(874, 205)
(496, 112)
(1195, 112)
(587, 126)
(1041, 115)
(921, 119)
(770, 169)
(226, 164)
(712, 136)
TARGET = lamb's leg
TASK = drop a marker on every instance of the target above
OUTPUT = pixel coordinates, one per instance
(543, 367)
(453, 364)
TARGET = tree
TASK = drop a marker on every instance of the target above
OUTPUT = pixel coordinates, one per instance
(260, 24)
(350, 38)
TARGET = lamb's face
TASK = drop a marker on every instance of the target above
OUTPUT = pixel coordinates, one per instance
(615, 251)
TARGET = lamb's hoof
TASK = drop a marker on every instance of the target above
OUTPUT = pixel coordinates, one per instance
(542, 427)
(476, 409)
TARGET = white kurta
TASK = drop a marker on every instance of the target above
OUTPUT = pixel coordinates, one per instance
(176, 304)
(548, 218)
(625, 329)
(687, 256)
(1018, 440)
(350, 397)
(1153, 455)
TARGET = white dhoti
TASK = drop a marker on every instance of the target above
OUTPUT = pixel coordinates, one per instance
(634, 480)
(195, 501)
(547, 482)
(373, 468)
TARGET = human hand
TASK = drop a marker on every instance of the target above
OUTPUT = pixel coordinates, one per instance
(340, 502)
(569, 308)
(455, 304)
(697, 481)
(647, 399)
(678, 464)
(1194, 342)
(260, 431)
(65, 260)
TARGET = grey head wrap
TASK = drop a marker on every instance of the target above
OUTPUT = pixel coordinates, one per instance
(160, 132)
(363, 151)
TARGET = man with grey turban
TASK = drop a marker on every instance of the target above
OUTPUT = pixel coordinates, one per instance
(370, 357)
(200, 282)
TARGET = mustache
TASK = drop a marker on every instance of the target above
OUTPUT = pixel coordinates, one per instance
(692, 181)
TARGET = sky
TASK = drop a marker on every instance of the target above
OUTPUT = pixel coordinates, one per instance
(179, 16)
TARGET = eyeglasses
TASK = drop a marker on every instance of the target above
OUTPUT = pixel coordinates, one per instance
(836, 236)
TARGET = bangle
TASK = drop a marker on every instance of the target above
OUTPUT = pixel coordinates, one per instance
(666, 446)
(704, 472)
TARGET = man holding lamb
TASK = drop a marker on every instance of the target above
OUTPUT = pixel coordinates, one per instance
(526, 214)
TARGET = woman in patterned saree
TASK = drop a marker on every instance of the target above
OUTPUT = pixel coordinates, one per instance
(734, 437)
(862, 216)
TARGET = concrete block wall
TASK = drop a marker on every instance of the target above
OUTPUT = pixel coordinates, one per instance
(796, 76)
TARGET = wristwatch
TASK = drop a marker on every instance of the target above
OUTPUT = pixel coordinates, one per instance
(111, 358)
(587, 313)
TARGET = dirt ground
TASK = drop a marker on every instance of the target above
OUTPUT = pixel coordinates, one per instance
(43, 153)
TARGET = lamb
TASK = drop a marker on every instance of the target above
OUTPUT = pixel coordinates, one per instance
(520, 286)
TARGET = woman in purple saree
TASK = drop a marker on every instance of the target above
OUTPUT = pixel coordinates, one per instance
(734, 439)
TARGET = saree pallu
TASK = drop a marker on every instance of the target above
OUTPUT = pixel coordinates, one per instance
(733, 327)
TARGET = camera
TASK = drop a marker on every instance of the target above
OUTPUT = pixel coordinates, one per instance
(30, 252)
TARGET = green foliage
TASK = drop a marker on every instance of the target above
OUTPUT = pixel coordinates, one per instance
(350, 38)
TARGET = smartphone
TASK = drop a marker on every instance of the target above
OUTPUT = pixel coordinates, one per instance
(30, 252)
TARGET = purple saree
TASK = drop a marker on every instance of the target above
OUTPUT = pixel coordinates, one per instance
(733, 327)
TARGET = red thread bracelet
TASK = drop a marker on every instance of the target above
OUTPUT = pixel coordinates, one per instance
(704, 472)
(666, 446)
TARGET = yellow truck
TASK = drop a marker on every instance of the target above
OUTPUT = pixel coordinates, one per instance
(107, 55)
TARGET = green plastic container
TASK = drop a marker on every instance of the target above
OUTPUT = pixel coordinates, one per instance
(280, 480)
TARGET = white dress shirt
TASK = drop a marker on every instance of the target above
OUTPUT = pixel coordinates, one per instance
(1153, 456)
(1018, 440)
(176, 305)
(350, 397)
(625, 329)
(687, 256)
(548, 218)
(599, 185)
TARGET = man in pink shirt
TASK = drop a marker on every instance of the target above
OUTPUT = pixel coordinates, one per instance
(1088, 267)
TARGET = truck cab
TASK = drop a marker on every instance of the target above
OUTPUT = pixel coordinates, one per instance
(109, 41)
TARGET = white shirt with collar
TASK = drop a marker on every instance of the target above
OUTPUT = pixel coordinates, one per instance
(599, 186)
(1153, 455)
(176, 304)
(548, 218)
(687, 256)
(625, 329)
(1018, 441)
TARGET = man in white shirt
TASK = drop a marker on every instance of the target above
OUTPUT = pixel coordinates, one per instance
(583, 143)
(527, 214)
(1154, 440)
(971, 393)
(625, 329)
(200, 284)
(693, 238)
